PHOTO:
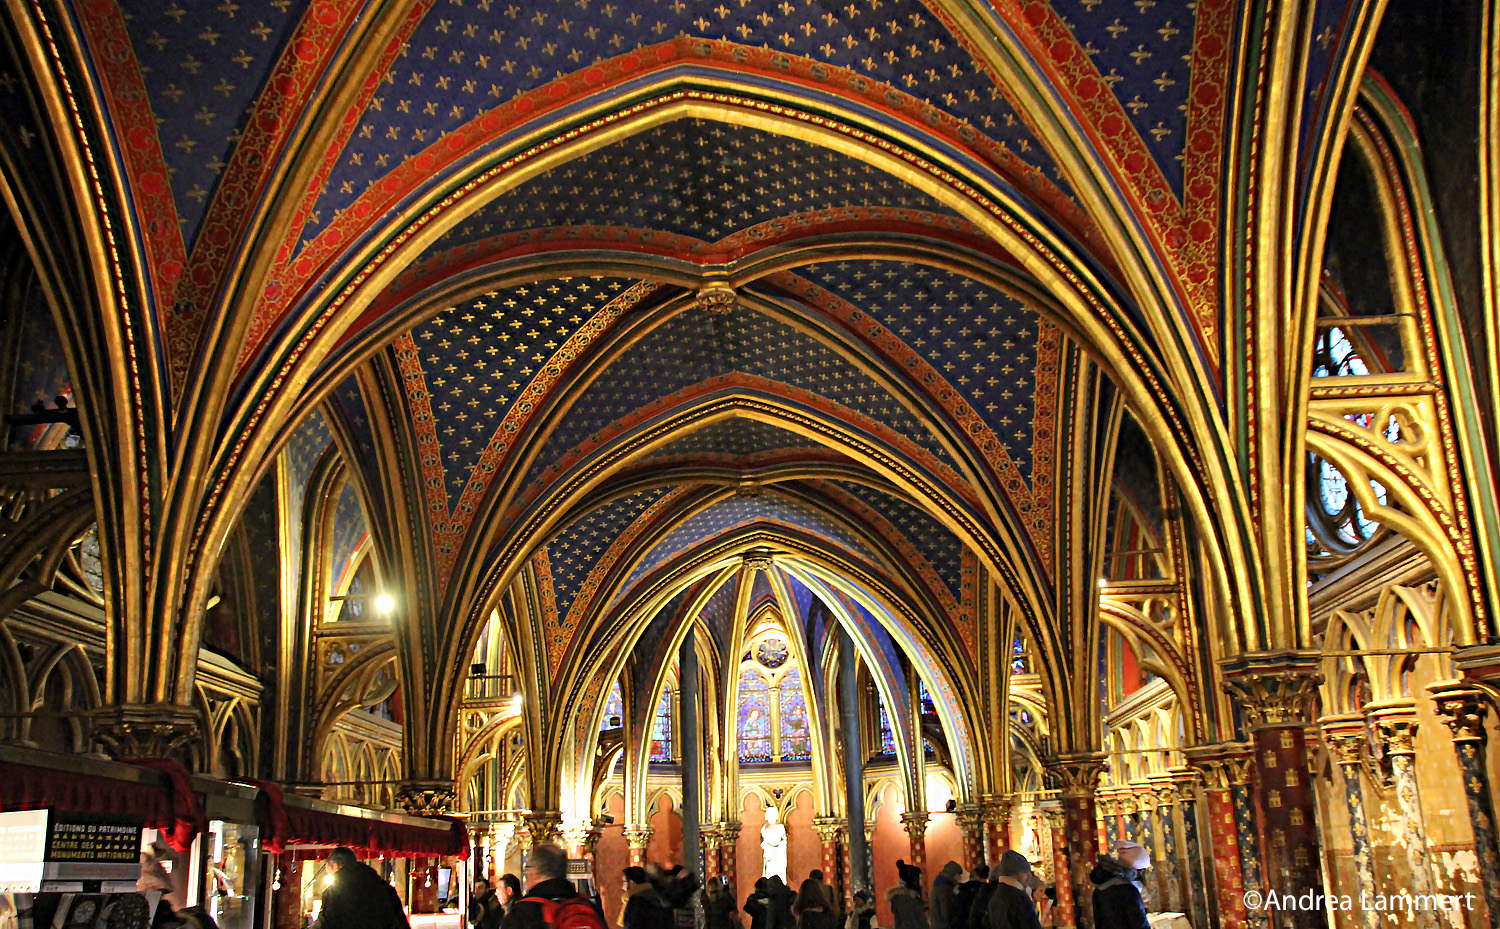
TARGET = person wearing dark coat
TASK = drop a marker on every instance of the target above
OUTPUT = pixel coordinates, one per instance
(862, 914)
(905, 898)
(718, 906)
(547, 875)
(979, 908)
(779, 898)
(812, 908)
(1118, 903)
(644, 906)
(965, 895)
(758, 904)
(944, 892)
(357, 897)
(1010, 905)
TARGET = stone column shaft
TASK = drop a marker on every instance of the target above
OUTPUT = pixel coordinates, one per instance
(854, 763)
(1168, 880)
(1192, 850)
(1275, 694)
(1397, 726)
(1078, 777)
(916, 831)
(691, 752)
(997, 827)
(1220, 772)
(1345, 737)
(971, 829)
(639, 838)
(1463, 708)
(1063, 913)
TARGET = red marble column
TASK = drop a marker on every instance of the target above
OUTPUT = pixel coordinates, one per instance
(729, 837)
(916, 830)
(639, 838)
(971, 828)
(711, 837)
(997, 826)
(1276, 699)
(827, 828)
(1078, 776)
(1220, 775)
(1063, 911)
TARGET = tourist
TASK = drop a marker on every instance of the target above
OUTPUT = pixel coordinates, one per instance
(779, 903)
(1011, 905)
(944, 889)
(906, 898)
(357, 897)
(862, 914)
(718, 906)
(812, 908)
(644, 906)
(965, 895)
(1118, 899)
(758, 904)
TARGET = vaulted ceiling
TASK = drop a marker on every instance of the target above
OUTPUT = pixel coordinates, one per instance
(604, 293)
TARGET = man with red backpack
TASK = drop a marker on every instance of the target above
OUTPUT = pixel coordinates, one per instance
(551, 901)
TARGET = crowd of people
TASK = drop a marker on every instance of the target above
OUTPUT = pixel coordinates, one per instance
(1009, 896)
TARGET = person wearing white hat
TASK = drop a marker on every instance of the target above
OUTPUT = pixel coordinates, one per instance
(1118, 901)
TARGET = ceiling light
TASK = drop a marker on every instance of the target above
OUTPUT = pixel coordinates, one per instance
(385, 603)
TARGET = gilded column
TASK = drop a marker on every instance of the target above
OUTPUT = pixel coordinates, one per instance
(1345, 737)
(997, 812)
(710, 836)
(1063, 914)
(1463, 707)
(729, 840)
(1078, 778)
(1396, 724)
(1275, 699)
(1110, 806)
(1186, 781)
(971, 829)
(1219, 774)
(915, 824)
(828, 828)
(1167, 881)
(1145, 814)
(639, 838)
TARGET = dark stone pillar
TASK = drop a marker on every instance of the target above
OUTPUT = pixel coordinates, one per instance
(1463, 707)
(687, 664)
(854, 762)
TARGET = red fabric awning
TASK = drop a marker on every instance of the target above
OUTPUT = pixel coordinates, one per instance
(283, 825)
(171, 807)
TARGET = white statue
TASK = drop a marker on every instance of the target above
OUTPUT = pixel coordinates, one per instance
(773, 845)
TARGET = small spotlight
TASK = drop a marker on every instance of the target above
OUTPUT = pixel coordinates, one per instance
(516, 702)
(1103, 582)
(385, 602)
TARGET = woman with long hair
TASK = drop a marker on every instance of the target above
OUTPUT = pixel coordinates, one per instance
(812, 907)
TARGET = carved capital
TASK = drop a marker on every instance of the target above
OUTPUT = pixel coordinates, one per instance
(1161, 791)
(717, 299)
(711, 838)
(1054, 817)
(544, 826)
(1395, 725)
(147, 730)
(638, 836)
(996, 809)
(970, 820)
(915, 825)
(1274, 691)
(1127, 804)
(1185, 782)
(828, 828)
(757, 561)
(1077, 775)
(1462, 707)
(1222, 765)
(582, 835)
(1345, 737)
(730, 830)
(426, 798)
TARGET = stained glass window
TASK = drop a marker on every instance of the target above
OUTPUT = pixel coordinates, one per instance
(614, 709)
(1020, 662)
(796, 737)
(928, 707)
(1336, 519)
(887, 736)
(772, 653)
(661, 733)
(754, 717)
(1334, 356)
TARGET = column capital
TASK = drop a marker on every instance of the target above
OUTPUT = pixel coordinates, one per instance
(1222, 765)
(1077, 775)
(638, 836)
(996, 808)
(711, 837)
(543, 825)
(147, 730)
(915, 824)
(1185, 783)
(1346, 736)
(730, 831)
(970, 817)
(1125, 803)
(1053, 816)
(828, 828)
(1396, 723)
(1275, 689)
(582, 834)
(426, 798)
(1463, 707)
